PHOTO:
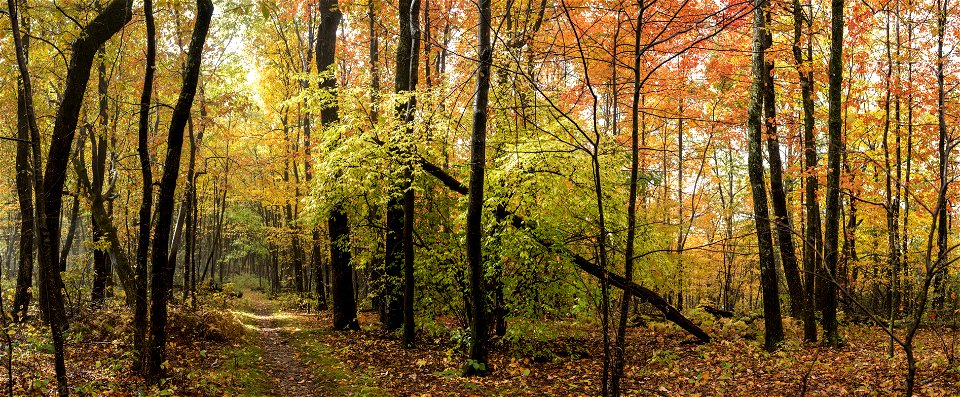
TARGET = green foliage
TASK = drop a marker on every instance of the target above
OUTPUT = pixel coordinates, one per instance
(664, 357)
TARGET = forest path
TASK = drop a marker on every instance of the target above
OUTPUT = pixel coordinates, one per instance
(291, 373)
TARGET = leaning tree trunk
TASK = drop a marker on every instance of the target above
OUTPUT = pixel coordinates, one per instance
(49, 187)
(341, 270)
(160, 273)
(773, 324)
(778, 196)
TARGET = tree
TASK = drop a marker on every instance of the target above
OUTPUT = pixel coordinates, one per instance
(49, 186)
(146, 192)
(341, 268)
(812, 238)
(477, 362)
(162, 267)
(832, 210)
(773, 324)
(24, 181)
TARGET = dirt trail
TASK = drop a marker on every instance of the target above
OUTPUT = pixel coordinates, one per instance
(290, 375)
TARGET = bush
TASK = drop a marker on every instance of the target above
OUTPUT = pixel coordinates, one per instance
(204, 324)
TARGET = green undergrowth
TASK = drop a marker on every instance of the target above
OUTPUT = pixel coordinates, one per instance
(240, 374)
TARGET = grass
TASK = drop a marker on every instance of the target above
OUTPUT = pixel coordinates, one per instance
(327, 369)
(305, 336)
(241, 374)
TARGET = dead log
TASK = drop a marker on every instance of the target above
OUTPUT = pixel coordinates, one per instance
(502, 213)
(717, 312)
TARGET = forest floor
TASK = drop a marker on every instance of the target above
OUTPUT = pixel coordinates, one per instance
(554, 358)
(255, 346)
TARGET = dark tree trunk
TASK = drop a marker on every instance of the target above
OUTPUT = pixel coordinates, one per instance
(341, 268)
(24, 181)
(316, 246)
(812, 238)
(409, 196)
(621, 341)
(778, 196)
(940, 266)
(146, 192)
(773, 324)
(160, 274)
(832, 212)
(392, 314)
(477, 364)
(49, 187)
(625, 299)
(98, 160)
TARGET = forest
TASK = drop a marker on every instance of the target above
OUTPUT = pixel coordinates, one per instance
(479, 198)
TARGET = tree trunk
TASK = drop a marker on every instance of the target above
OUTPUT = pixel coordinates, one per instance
(832, 212)
(621, 341)
(409, 196)
(778, 197)
(773, 324)
(812, 238)
(24, 181)
(477, 363)
(146, 193)
(407, 58)
(341, 268)
(939, 290)
(160, 275)
(49, 187)
(98, 160)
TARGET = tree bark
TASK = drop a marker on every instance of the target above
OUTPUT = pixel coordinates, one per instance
(409, 195)
(621, 341)
(832, 212)
(24, 182)
(408, 54)
(477, 364)
(49, 187)
(939, 290)
(160, 288)
(812, 240)
(146, 194)
(773, 325)
(98, 160)
(778, 196)
(341, 268)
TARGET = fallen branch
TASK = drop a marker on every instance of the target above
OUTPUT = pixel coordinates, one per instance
(502, 213)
